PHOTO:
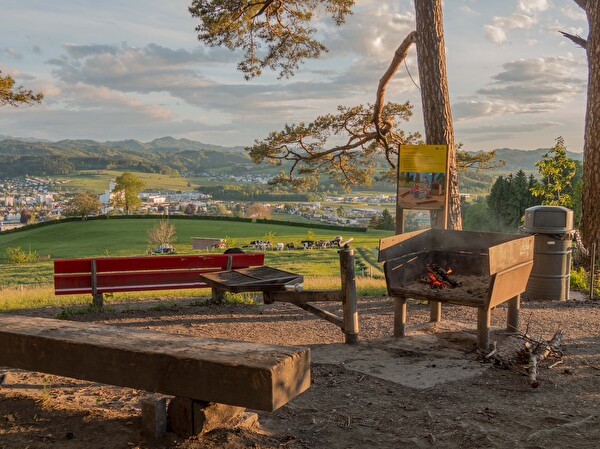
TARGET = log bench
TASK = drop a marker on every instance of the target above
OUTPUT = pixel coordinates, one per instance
(129, 274)
(195, 370)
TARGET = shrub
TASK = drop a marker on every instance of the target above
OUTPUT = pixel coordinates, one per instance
(17, 255)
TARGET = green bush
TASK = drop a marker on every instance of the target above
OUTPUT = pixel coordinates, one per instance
(580, 280)
(17, 255)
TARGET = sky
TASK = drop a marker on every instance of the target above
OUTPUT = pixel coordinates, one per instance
(134, 69)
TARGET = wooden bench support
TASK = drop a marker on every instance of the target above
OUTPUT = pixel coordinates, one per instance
(187, 417)
(346, 295)
(242, 374)
(154, 418)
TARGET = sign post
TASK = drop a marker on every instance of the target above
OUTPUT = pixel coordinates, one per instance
(422, 183)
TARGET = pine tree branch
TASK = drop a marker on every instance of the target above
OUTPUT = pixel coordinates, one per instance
(399, 56)
(578, 40)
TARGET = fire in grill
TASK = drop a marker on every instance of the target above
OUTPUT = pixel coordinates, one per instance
(438, 277)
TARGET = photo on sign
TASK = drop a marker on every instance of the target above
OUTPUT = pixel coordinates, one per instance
(417, 190)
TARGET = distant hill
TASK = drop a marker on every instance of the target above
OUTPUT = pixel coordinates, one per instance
(166, 155)
(19, 156)
(525, 159)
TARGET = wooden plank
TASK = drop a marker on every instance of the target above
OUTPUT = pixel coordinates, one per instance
(307, 296)
(252, 375)
(460, 299)
(509, 283)
(402, 244)
(509, 254)
(114, 282)
(328, 316)
(139, 263)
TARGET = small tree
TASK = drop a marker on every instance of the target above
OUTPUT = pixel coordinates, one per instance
(270, 236)
(557, 172)
(230, 242)
(257, 210)
(190, 209)
(126, 192)
(25, 216)
(161, 233)
(85, 203)
(387, 221)
(17, 255)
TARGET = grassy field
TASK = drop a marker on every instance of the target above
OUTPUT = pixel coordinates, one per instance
(126, 237)
(97, 181)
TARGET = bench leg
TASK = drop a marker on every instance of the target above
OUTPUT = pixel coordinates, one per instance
(399, 317)
(435, 312)
(98, 300)
(483, 328)
(218, 295)
(154, 418)
(188, 417)
(512, 319)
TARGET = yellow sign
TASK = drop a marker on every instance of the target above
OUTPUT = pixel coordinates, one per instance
(423, 158)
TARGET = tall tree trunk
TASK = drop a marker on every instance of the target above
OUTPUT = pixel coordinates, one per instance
(590, 215)
(431, 58)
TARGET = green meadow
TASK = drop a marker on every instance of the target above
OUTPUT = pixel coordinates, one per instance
(31, 283)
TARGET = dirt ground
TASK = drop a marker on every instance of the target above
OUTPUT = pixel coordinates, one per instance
(430, 389)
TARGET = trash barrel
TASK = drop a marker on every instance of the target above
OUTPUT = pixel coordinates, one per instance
(552, 227)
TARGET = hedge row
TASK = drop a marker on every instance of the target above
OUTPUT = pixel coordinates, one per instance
(189, 217)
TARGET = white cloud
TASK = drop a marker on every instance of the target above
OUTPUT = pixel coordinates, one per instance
(538, 84)
(574, 13)
(495, 34)
(11, 53)
(468, 10)
(531, 6)
(473, 108)
(496, 30)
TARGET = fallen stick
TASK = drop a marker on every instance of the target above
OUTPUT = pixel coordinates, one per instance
(537, 351)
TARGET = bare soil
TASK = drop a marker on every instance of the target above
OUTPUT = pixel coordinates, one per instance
(429, 389)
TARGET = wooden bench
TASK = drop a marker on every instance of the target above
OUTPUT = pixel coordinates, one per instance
(199, 370)
(127, 274)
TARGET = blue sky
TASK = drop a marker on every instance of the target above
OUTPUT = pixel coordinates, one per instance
(113, 70)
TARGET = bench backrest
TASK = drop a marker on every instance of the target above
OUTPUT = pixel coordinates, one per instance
(119, 274)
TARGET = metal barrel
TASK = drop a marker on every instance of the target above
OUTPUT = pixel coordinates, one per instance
(551, 273)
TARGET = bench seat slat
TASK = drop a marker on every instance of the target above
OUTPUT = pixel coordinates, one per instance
(139, 263)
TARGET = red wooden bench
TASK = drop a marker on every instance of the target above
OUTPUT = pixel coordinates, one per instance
(128, 274)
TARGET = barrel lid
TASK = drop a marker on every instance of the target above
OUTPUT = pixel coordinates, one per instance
(548, 220)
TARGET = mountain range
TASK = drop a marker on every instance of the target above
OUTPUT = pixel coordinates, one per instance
(19, 156)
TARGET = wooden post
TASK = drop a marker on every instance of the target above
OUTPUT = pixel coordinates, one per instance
(349, 302)
(97, 299)
(483, 328)
(435, 312)
(399, 317)
(512, 318)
